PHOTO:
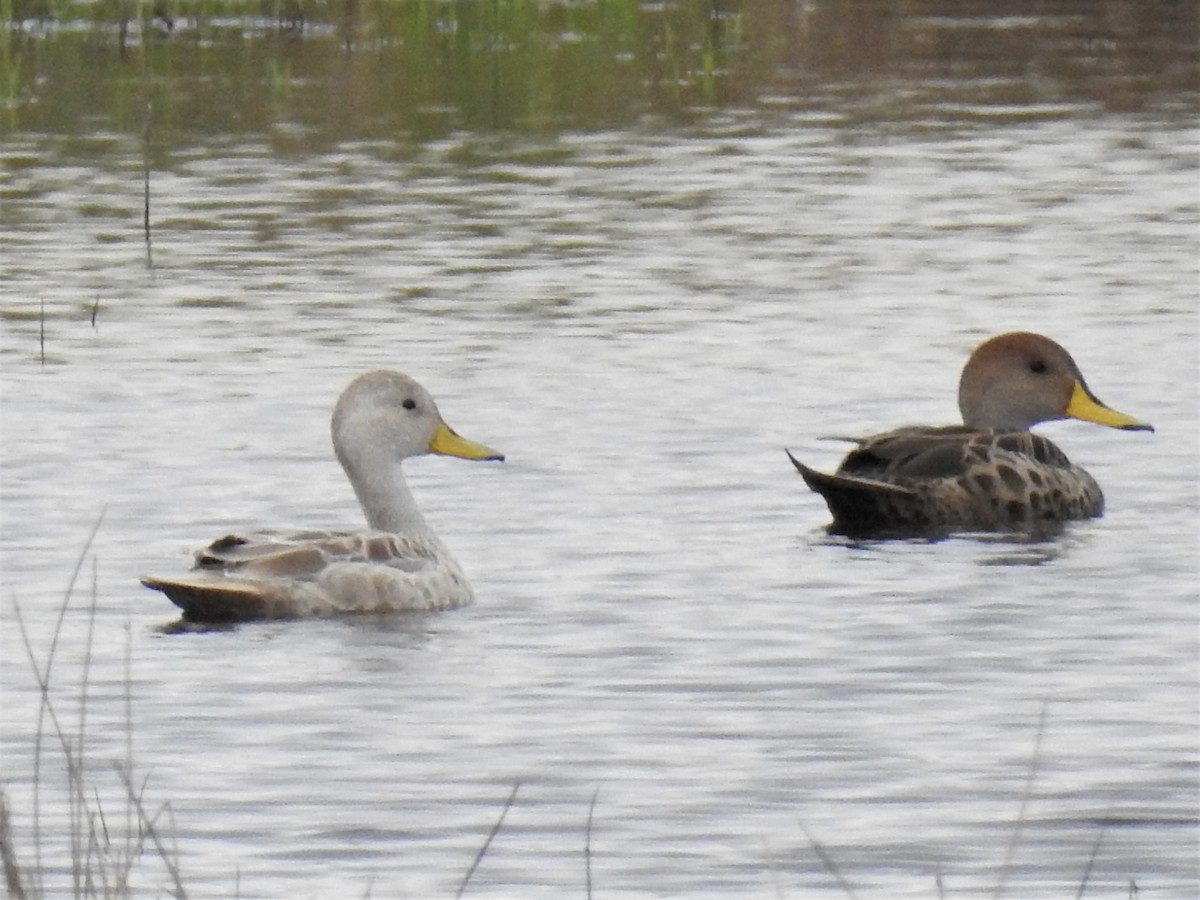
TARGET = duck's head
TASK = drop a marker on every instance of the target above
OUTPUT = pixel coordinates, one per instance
(1018, 379)
(390, 413)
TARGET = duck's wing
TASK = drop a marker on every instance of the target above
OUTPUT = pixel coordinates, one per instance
(928, 481)
(276, 575)
(914, 452)
(926, 452)
(306, 553)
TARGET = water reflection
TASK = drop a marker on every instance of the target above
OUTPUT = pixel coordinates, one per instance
(988, 549)
(1030, 551)
(182, 626)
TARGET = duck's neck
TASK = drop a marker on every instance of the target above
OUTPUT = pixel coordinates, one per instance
(383, 493)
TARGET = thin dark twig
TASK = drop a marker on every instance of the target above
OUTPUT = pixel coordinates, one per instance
(1030, 777)
(103, 820)
(587, 844)
(146, 185)
(42, 331)
(95, 310)
(829, 864)
(484, 849)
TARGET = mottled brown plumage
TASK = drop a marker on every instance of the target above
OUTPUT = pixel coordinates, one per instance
(989, 474)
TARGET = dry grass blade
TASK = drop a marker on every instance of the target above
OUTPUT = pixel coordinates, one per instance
(97, 867)
(46, 708)
(81, 860)
(1087, 870)
(587, 843)
(151, 831)
(830, 865)
(1026, 795)
(8, 857)
(484, 849)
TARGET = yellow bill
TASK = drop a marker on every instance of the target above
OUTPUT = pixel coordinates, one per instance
(1084, 405)
(446, 442)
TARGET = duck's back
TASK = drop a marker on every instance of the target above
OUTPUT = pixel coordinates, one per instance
(928, 480)
(280, 576)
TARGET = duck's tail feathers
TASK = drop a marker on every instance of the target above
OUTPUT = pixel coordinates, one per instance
(862, 505)
(822, 482)
(215, 599)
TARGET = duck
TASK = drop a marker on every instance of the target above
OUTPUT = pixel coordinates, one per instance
(397, 564)
(989, 474)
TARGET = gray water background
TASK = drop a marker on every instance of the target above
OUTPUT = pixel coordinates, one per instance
(642, 317)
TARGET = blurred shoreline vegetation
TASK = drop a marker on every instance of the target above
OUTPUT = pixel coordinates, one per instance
(331, 70)
(361, 67)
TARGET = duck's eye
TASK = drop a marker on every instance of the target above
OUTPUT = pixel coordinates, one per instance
(1038, 367)
(409, 403)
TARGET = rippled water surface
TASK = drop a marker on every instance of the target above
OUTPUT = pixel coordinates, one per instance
(642, 319)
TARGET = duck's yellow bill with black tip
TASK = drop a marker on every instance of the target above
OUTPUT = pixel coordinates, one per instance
(1084, 405)
(448, 443)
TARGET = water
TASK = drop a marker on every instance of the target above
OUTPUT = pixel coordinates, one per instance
(641, 319)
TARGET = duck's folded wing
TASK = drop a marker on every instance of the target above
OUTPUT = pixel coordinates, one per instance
(277, 575)
(911, 453)
(933, 480)
(306, 553)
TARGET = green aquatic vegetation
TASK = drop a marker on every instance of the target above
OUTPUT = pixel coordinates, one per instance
(421, 67)
(413, 70)
(10, 67)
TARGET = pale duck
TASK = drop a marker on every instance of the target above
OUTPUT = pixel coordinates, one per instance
(397, 564)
